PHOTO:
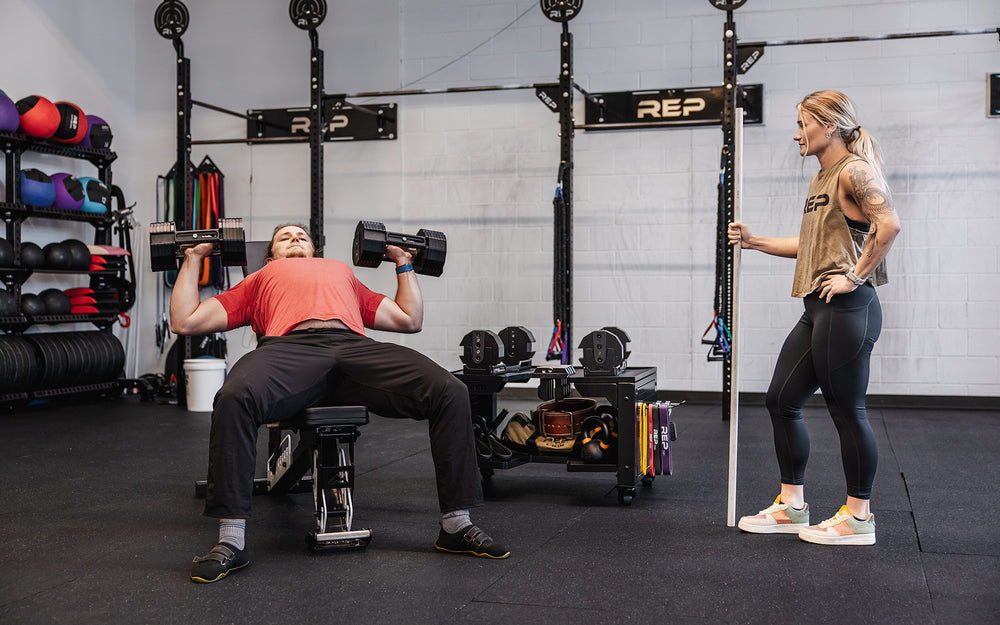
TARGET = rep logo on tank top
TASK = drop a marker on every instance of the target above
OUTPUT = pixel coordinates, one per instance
(816, 201)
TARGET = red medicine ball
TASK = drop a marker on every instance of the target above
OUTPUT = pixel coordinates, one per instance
(39, 117)
(72, 123)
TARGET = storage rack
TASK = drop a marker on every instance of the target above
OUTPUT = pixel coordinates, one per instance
(14, 213)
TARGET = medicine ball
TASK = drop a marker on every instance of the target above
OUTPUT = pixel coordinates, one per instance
(39, 116)
(32, 256)
(72, 123)
(8, 304)
(32, 305)
(69, 192)
(96, 196)
(6, 253)
(37, 188)
(79, 253)
(57, 256)
(98, 134)
(56, 302)
(9, 118)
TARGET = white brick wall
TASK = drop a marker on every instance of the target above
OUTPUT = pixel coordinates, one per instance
(645, 201)
(482, 166)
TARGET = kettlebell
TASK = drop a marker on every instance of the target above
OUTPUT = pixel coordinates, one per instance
(595, 441)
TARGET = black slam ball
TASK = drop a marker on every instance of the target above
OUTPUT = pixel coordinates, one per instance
(31, 255)
(56, 302)
(57, 256)
(32, 305)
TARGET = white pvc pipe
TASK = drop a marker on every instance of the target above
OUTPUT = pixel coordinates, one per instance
(734, 325)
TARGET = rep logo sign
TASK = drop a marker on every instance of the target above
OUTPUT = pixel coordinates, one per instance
(669, 107)
(692, 106)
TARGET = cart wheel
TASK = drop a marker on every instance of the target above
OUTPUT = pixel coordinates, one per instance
(647, 480)
(625, 497)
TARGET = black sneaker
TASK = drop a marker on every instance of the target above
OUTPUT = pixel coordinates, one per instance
(472, 540)
(217, 563)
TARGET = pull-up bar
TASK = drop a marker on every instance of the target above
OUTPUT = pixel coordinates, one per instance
(749, 53)
(919, 35)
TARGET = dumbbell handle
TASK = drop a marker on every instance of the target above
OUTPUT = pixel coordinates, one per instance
(405, 241)
(187, 239)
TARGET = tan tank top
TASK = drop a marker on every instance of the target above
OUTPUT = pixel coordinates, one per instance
(828, 242)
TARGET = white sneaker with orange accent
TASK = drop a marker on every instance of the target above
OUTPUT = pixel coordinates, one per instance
(778, 518)
(842, 529)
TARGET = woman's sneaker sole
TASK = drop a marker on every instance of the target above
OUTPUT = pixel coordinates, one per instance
(785, 528)
(823, 539)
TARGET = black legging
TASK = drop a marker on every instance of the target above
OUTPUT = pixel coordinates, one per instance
(829, 348)
(288, 373)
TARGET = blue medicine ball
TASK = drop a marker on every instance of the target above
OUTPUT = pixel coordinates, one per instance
(37, 188)
(96, 196)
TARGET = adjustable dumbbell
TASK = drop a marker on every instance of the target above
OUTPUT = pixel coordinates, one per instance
(167, 244)
(428, 247)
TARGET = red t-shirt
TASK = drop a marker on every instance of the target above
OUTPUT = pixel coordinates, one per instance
(288, 291)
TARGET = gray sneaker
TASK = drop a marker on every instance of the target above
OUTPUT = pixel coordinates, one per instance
(842, 529)
(778, 518)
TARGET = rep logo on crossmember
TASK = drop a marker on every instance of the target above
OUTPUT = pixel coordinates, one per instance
(669, 107)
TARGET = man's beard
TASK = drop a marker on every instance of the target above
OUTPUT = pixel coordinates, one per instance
(296, 252)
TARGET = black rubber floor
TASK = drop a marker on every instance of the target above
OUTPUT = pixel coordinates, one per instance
(99, 524)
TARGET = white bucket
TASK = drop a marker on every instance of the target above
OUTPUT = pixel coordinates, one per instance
(203, 378)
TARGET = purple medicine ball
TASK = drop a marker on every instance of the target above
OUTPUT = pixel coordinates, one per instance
(98, 134)
(69, 192)
(10, 119)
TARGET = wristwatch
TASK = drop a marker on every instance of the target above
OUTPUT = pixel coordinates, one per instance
(853, 278)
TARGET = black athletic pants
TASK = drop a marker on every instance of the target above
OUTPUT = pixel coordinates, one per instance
(829, 348)
(286, 374)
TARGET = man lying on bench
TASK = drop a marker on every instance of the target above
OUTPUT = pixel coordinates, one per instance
(311, 314)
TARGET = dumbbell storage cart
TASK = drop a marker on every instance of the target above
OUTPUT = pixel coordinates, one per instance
(45, 365)
(622, 387)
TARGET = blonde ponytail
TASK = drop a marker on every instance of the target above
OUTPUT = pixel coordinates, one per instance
(833, 107)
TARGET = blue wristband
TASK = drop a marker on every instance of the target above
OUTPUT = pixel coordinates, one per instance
(404, 268)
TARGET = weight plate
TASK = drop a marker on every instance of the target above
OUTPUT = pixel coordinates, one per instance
(104, 354)
(27, 362)
(112, 353)
(727, 5)
(81, 358)
(8, 368)
(117, 361)
(171, 19)
(65, 375)
(368, 249)
(307, 14)
(99, 354)
(430, 260)
(561, 10)
(47, 361)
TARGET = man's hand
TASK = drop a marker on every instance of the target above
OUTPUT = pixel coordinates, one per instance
(398, 255)
(198, 252)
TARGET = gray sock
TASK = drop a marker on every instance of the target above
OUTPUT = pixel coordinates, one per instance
(455, 520)
(233, 532)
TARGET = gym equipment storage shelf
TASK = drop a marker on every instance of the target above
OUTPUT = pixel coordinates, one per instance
(81, 362)
(633, 385)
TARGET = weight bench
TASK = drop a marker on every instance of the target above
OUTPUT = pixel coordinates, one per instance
(325, 450)
(322, 460)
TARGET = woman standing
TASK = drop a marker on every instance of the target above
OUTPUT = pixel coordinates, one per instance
(848, 226)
